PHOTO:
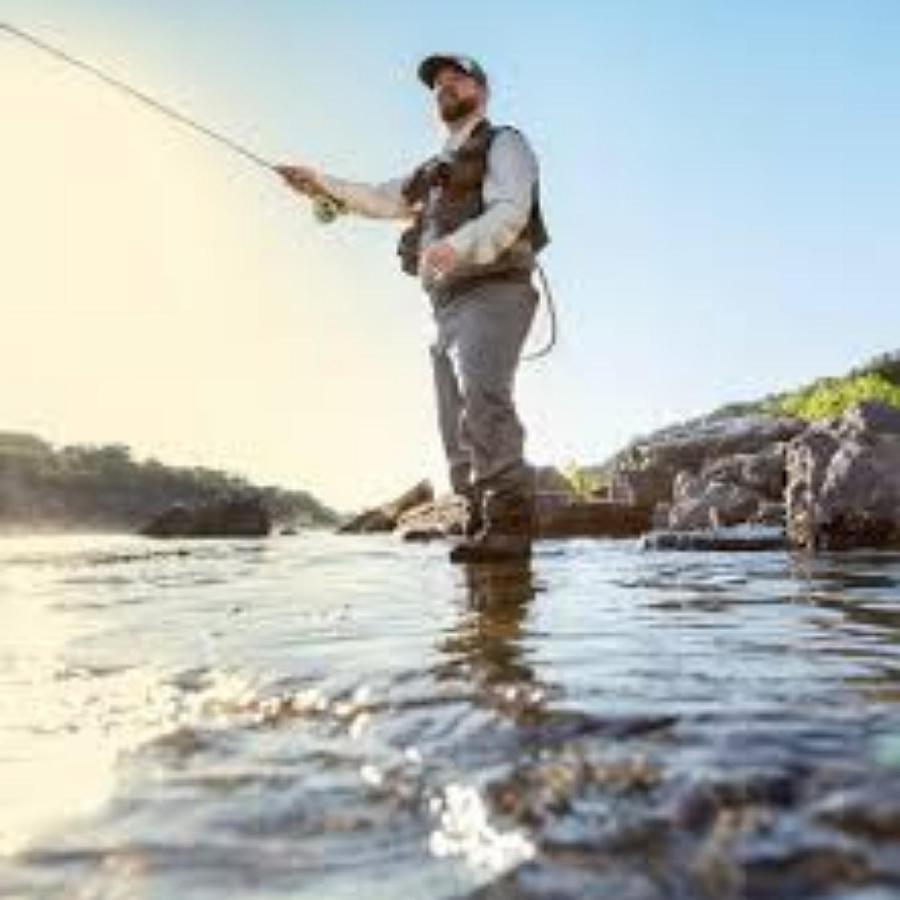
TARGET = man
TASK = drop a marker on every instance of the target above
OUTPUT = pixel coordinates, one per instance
(476, 228)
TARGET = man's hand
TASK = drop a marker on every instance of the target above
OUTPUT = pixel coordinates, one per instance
(439, 259)
(301, 178)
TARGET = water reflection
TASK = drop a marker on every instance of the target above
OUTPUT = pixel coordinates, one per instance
(486, 648)
(486, 643)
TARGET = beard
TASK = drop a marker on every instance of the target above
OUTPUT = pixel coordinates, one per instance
(454, 108)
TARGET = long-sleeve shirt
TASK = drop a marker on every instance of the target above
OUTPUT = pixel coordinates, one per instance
(507, 192)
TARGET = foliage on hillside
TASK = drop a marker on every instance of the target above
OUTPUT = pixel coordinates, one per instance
(829, 397)
(877, 379)
(103, 487)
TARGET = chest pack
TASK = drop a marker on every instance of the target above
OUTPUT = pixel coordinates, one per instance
(447, 190)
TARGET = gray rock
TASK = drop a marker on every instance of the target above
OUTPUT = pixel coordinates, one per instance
(386, 516)
(728, 491)
(644, 473)
(557, 515)
(686, 487)
(843, 486)
(719, 504)
(735, 540)
(439, 518)
(873, 810)
(770, 513)
(879, 418)
(661, 514)
(762, 472)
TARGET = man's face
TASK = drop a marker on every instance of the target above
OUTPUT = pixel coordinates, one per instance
(457, 94)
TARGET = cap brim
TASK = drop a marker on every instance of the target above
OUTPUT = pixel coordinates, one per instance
(430, 66)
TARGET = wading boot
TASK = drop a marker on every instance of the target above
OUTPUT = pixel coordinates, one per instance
(505, 534)
(474, 522)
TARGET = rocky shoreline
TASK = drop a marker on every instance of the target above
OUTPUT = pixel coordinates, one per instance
(750, 482)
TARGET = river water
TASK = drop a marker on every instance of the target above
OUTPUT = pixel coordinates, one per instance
(327, 716)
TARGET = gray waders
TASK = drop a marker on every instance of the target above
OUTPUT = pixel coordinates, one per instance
(480, 334)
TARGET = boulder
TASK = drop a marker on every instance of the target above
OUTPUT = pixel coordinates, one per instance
(762, 472)
(843, 481)
(770, 513)
(556, 515)
(644, 473)
(714, 503)
(439, 518)
(731, 490)
(228, 517)
(872, 418)
(387, 516)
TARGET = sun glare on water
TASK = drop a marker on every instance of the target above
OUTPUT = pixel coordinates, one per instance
(54, 761)
(66, 728)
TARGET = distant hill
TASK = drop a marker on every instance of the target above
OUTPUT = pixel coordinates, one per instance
(104, 488)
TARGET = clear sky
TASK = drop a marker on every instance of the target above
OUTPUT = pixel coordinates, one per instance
(720, 179)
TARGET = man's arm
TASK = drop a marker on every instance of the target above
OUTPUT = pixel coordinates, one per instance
(379, 201)
(508, 192)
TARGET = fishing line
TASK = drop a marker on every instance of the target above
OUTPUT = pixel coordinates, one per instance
(551, 313)
(139, 95)
(325, 207)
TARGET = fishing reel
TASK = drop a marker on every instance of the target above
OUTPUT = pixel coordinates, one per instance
(327, 208)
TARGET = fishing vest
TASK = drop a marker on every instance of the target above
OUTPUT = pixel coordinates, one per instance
(446, 192)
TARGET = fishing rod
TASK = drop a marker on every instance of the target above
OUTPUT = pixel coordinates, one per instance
(326, 208)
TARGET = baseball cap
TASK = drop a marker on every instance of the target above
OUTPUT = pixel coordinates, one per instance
(431, 65)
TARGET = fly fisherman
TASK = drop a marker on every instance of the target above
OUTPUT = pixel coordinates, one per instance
(476, 228)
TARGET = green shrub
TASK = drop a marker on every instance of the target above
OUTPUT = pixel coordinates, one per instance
(584, 482)
(829, 397)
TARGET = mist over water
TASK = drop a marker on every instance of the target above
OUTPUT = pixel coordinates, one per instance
(319, 715)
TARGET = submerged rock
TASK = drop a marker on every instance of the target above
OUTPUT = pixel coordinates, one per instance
(741, 538)
(872, 811)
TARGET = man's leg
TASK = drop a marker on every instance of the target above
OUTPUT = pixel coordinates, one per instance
(493, 322)
(450, 410)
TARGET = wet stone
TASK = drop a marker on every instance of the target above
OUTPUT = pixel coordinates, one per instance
(696, 803)
(737, 539)
(868, 893)
(807, 872)
(872, 810)
(548, 882)
(612, 826)
(562, 726)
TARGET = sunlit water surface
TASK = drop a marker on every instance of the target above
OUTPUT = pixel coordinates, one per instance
(331, 717)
